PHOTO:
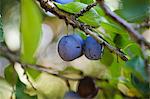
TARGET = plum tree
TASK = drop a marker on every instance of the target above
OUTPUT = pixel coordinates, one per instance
(70, 47)
(92, 49)
(63, 1)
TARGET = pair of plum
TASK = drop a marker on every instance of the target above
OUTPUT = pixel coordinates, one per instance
(73, 46)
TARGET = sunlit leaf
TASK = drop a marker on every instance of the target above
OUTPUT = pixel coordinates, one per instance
(87, 1)
(82, 34)
(91, 17)
(112, 27)
(122, 41)
(105, 60)
(132, 50)
(115, 69)
(70, 70)
(33, 73)
(30, 29)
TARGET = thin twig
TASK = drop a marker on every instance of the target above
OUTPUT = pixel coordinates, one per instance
(84, 10)
(27, 77)
(14, 58)
(138, 38)
(4, 51)
(40, 68)
(143, 25)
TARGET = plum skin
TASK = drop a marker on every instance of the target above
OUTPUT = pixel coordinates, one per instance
(71, 95)
(87, 88)
(63, 1)
(70, 47)
(92, 49)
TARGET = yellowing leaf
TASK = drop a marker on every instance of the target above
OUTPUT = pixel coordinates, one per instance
(133, 92)
(127, 91)
(124, 89)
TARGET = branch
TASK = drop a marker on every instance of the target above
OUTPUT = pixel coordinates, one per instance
(70, 19)
(84, 10)
(143, 25)
(138, 38)
(13, 58)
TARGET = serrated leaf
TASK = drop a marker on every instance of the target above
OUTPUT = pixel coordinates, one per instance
(136, 65)
(20, 94)
(31, 30)
(11, 75)
(90, 18)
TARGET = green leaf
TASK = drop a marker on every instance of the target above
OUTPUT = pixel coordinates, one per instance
(132, 50)
(143, 86)
(90, 18)
(112, 27)
(1, 30)
(134, 10)
(137, 66)
(20, 94)
(81, 33)
(108, 36)
(115, 69)
(33, 73)
(122, 41)
(31, 30)
(70, 70)
(11, 75)
(99, 10)
(107, 58)
(87, 1)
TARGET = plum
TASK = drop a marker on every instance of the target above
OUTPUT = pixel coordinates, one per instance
(71, 95)
(70, 47)
(92, 49)
(87, 88)
(63, 1)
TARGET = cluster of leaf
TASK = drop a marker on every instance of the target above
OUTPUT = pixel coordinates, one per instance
(128, 78)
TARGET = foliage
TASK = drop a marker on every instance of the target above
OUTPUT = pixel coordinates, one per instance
(113, 77)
